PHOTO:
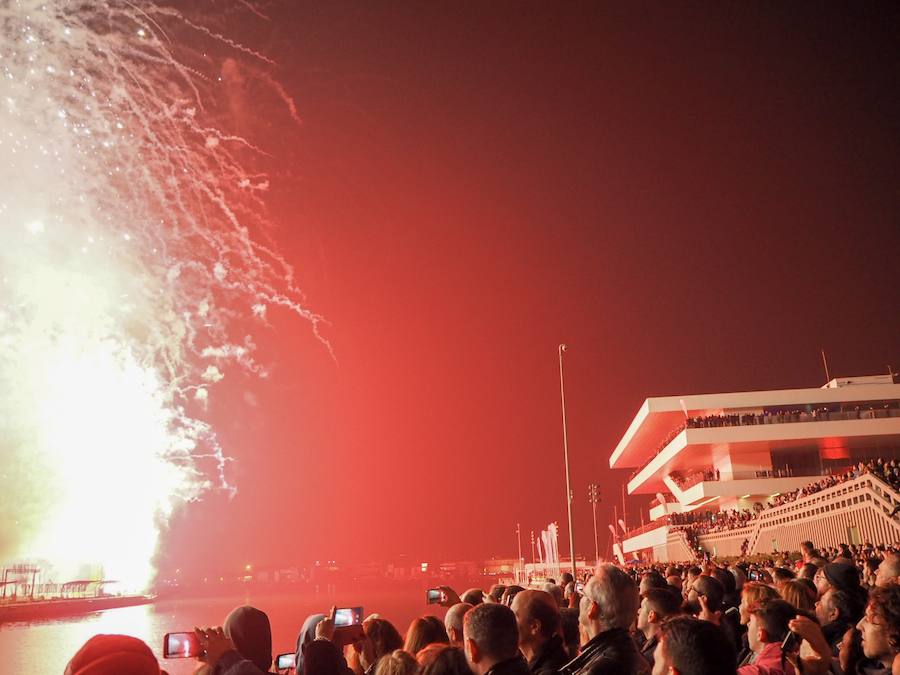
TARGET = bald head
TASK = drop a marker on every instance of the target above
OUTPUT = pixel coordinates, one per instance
(453, 622)
(888, 570)
(537, 617)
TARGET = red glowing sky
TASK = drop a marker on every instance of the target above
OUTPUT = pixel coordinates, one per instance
(695, 200)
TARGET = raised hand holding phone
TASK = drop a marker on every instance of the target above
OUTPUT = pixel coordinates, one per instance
(325, 628)
(214, 643)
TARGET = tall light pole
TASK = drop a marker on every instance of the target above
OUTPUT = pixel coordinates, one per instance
(594, 497)
(562, 396)
(521, 559)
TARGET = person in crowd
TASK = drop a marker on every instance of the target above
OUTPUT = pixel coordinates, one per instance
(307, 635)
(766, 631)
(692, 574)
(495, 593)
(689, 646)
(438, 659)
(423, 631)
(870, 570)
(657, 606)
(492, 641)
(571, 631)
(473, 596)
(557, 593)
(839, 575)
(880, 628)
(571, 596)
(706, 594)
(740, 578)
(397, 662)
(608, 609)
(509, 593)
(808, 551)
(322, 658)
(835, 611)
(888, 571)
(752, 596)
(538, 621)
(565, 579)
(731, 597)
(378, 639)
(219, 657)
(706, 600)
(249, 631)
(676, 582)
(780, 576)
(801, 594)
(651, 579)
(808, 571)
(453, 622)
(113, 655)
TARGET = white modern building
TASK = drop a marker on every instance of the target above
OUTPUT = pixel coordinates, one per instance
(740, 451)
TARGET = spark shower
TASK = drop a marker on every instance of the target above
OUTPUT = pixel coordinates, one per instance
(133, 256)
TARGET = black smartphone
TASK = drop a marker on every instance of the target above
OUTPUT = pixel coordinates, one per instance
(181, 645)
(348, 616)
(791, 643)
(284, 661)
(434, 596)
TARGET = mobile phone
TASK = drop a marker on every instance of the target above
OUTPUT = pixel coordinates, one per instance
(348, 635)
(434, 596)
(181, 645)
(754, 576)
(791, 643)
(348, 616)
(284, 661)
(579, 587)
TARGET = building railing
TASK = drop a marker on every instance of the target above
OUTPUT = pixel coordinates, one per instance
(757, 419)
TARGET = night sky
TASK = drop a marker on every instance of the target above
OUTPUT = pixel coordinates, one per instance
(696, 197)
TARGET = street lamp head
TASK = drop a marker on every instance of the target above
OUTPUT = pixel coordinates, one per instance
(563, 347)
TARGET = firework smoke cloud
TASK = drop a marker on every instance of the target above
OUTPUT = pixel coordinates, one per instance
(129, 250)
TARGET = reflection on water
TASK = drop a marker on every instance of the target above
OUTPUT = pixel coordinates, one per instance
(46, 647)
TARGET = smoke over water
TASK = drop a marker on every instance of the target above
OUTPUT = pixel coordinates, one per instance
(129, 251)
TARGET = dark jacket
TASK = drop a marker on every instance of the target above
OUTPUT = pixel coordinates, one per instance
(611, 652)
(514, 666)
(549, 658)
(648, 649)
(233, 663)
(834, 633)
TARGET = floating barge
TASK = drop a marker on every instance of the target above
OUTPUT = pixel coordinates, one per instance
(57, 608)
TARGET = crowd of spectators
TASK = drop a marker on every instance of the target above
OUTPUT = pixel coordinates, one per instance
(841, 604)
(688, 480)
(784, 416)
(696, 523)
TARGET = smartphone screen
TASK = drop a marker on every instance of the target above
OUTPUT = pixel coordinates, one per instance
(283, 661)
(348, 616)
(434, 595)
(181, 645)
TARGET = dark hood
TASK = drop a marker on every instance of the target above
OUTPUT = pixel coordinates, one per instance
(251, 634)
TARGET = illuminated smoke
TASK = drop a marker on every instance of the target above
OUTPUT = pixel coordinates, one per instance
(129, 253)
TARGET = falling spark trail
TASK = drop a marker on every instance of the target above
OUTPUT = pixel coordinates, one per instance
(129, 250)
